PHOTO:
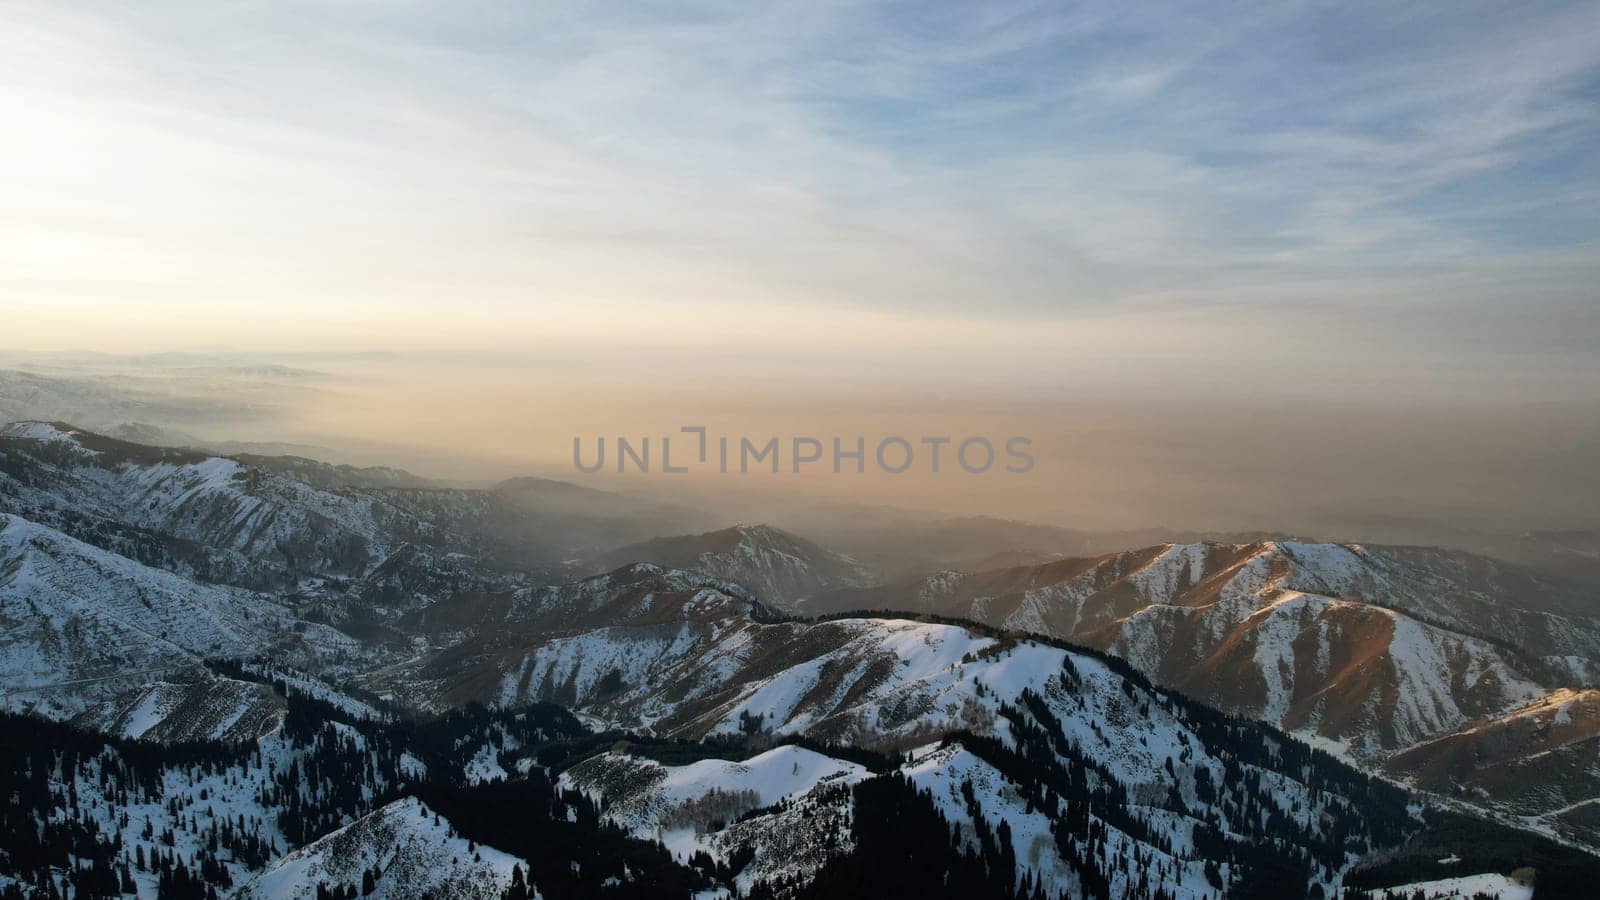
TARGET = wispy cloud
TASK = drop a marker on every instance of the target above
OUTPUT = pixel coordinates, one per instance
(1014, 161)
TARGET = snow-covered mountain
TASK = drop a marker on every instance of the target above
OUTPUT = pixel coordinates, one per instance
(638, 594)
(1089, 724)
(116, 645)
(288, 523)
(268, 523)
(1235, 626)
(1373, 649)
(80, 626)
(698, 664)
(1396, 657)
(210, 627)
(403, 850)
(783, 570)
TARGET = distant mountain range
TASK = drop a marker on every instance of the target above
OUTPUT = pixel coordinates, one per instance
(286, 678)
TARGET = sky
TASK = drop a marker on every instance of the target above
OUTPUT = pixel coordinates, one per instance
(1373, 206)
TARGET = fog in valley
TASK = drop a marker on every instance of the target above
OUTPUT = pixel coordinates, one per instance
(1132, 457)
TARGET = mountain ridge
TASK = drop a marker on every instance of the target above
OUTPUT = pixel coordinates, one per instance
(784, 569)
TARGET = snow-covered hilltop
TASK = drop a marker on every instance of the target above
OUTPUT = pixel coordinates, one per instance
(403, 851)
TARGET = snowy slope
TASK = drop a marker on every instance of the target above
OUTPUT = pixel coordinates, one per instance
(947, 772)
(212, 709)
(1490, 884)
(80, 624)
(677, 805)
(122, 647)
(414, 852)
(227, 794)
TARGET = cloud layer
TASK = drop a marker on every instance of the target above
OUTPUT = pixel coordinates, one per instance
(1127, 185)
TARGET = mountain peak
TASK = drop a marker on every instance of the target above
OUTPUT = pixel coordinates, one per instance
(781, 568)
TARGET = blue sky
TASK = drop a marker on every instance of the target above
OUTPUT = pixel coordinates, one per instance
(1394, 183)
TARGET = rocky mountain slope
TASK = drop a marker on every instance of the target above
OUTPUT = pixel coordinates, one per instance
(1374, 648)
(1370, 650)
(1540, 761)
